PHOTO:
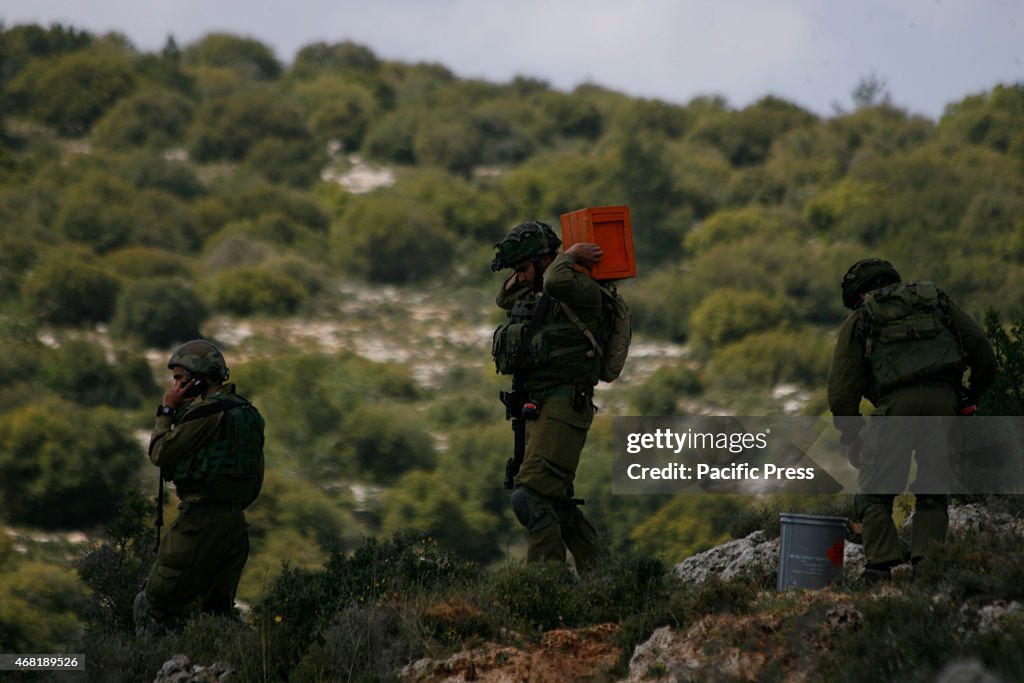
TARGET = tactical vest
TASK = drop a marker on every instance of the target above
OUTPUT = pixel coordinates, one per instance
(229, 467)
(908, 337)
(551, 349)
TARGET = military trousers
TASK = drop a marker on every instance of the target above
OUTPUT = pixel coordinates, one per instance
(200, 558)
(543, 499)
(890, 447)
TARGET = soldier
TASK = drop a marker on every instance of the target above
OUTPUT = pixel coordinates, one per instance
(558, 368)
(917, 373)
(209, 442)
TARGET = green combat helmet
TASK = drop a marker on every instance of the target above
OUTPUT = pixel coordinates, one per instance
(530, 239)
(859, 278)
(200, 357)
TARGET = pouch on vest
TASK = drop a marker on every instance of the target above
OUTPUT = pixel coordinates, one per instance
(906, 335)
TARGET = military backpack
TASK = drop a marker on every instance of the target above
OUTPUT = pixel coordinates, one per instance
(617, 332)
(908, 336)
(228, 468)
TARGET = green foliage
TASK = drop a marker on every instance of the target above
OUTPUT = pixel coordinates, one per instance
(388, 440)
(230, 127)
(340, 110)
(38, 605)
(139, 263)
(391, 239)
(19, 45)
(296, 163)
(994, 119)
(63, 465)
(246, 57)
(346, 58)
(255, 290)
(392, 138)
(687, 524)
(70, 293)
(745, 136)
(78, 371)
(730, 314)
(300, 210)
(115, 567)
(770, 357)
(153, 118)
(159, 311)
(1007, 394)
(449, 141)
(72, 92)
(660, 393)
(175, 177)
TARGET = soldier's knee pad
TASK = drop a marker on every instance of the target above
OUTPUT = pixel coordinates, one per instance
(529, 512)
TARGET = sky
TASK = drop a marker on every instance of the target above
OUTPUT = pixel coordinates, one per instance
(928, 53)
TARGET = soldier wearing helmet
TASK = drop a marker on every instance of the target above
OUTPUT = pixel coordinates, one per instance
(559, 369)
(209, 442)
(879, 355)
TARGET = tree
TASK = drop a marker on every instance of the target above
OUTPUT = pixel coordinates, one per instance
(72, 92)
(230, 126)
(247, 57)
(70, 292)
(62, 465)
(156, 118)
(387, 238)
(160, 311)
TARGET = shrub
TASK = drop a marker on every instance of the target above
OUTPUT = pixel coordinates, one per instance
(660, 393)
(229, 127)
(62, 465)
(78, 371)
(388, 440)
(768, 358)
(255, 290)
(38, 603)
(139, 263)
(296, 163)
(73, 91)
(390, 239)
(247, 57)
(730, 314)
(70, 293)
(114, 568)
(159, 311)
(156, 118)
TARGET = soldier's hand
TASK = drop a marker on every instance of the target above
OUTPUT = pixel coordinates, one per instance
(177, 393)
(852, 451)
(586, 253)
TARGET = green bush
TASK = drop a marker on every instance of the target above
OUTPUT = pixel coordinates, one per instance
(390, 239)
(229, 127)
(70, 293)
(155, 118)
(388, 440)
(768, 358)
(38, 605)
(73, 91)
(175, 177)
(255, 290)
(64, 466)
(296, 163)
(159, 311)
(660, 393)
(78, 371)
(138, 263)
(731, 314)
(247, 57)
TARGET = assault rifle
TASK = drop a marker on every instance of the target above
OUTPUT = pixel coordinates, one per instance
(517, 406)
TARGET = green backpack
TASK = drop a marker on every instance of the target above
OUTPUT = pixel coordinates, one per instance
(617, 332)
(907, 335)
(228, 468)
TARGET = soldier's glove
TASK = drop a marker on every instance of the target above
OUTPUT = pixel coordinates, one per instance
(852, 451)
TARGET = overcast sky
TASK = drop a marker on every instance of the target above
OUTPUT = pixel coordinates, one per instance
(812, 52)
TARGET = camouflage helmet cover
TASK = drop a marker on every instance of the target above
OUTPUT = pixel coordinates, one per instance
(529, 239)
(200, 357)
(861, 274)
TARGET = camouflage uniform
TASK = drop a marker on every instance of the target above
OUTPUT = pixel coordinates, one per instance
(205, 549)
(543, 498)
(889, 445)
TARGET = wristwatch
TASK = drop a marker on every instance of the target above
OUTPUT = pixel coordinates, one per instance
(164, 411)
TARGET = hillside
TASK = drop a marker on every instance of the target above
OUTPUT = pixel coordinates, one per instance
(330, 223)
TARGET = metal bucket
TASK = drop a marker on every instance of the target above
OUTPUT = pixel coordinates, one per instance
(811, 551)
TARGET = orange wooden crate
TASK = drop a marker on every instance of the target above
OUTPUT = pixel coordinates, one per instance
(609, 227)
